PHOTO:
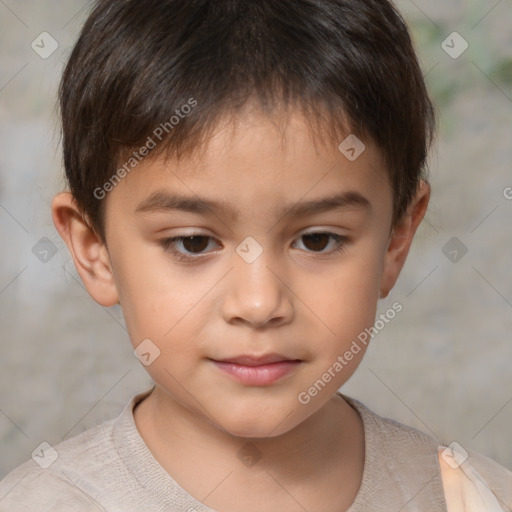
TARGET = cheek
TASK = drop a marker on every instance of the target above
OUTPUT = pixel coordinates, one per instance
(170, 306)
(154, 294)
(346, 304)
(158, 312)
(347, 294)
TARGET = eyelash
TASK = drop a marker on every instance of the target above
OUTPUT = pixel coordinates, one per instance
(168, 244)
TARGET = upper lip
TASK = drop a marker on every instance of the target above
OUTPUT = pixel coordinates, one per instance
(249, 360)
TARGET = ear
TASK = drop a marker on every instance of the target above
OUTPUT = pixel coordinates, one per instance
(89, 253)
(401, 238)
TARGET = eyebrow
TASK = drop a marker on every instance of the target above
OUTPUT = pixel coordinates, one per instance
(163, 201)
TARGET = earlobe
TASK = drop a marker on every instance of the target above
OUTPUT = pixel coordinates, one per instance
(88, 251)
(401, 238)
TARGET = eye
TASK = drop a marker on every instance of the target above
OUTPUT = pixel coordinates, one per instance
(316, 242)
(192, 247)
(192, 244)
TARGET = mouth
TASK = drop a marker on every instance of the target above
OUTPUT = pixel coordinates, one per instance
(257, 370)
(251, 360)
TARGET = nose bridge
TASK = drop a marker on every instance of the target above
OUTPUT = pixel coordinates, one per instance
(256, 294)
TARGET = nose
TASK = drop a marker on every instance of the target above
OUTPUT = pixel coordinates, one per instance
(258, 293)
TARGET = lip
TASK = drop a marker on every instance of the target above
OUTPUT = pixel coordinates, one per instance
(257, 370)
(250, 360)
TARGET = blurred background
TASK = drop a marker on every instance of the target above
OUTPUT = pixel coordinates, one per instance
(442, 365)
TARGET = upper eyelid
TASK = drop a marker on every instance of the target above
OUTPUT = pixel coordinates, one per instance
(324, 231)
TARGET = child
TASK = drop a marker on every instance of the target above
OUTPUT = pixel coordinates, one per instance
(253, 130)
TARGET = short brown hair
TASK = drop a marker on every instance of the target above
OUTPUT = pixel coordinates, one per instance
(348, 64)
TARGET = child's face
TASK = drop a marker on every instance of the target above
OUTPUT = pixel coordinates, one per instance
(299, 298)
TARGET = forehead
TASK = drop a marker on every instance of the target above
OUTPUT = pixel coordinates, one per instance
(257, 163)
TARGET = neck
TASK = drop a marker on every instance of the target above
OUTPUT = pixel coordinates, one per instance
(191, 449)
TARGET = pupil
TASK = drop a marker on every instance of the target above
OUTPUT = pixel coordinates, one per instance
(315, 237)
(195, 243)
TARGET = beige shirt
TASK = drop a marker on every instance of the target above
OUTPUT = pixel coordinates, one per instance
(109, 468)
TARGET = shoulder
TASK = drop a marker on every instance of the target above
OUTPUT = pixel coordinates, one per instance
(401, 469)
(27, 489)
(474, 480)
(61, 478)
(392, 434)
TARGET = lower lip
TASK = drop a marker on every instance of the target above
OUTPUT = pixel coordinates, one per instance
(258, 375)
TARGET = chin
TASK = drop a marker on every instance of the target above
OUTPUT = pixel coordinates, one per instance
(254, 431)
(258, 425)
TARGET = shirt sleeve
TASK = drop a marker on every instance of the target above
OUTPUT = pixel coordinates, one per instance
(474, 483)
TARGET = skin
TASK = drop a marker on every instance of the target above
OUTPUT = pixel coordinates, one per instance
(298, 298)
